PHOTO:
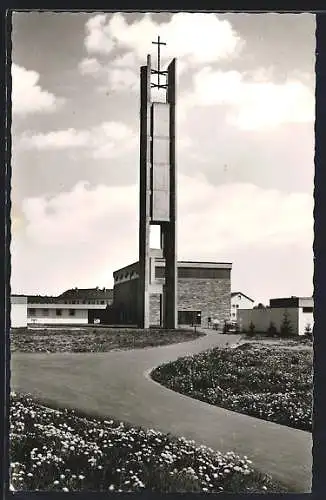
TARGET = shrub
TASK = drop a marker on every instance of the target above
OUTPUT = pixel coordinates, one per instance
(286, 329)
(252, 328)
(272, 330)
(308, 331)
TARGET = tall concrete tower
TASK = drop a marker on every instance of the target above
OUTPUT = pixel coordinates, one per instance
(158, 188)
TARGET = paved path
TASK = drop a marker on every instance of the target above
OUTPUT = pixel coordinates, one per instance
(117, 384)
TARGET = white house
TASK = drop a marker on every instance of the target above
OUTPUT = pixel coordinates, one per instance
(60, 313)
(298, 310)
(18, 311)
(24, 313)
(239, 301)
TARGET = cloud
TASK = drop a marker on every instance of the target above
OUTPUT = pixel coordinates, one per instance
(233, 216)
(107, 140)
(95, 229)
(90, 66)
(121, 74)
(28, 96)
(254, 103)
(215, 38)
(251, 100)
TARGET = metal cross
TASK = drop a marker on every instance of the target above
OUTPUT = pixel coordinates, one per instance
(159, 43)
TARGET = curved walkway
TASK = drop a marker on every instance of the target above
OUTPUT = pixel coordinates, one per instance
(117, 384)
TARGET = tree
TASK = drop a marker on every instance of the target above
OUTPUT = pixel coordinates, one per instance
(286, 329)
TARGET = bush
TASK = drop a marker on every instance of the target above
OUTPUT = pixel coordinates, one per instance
(252, 328)
(286, 329)
(272, 330)
(308, 331)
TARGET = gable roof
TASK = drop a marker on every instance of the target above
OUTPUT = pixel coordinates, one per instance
(233, 294)
(87, 293)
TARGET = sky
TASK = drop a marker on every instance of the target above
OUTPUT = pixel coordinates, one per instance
(245, 146)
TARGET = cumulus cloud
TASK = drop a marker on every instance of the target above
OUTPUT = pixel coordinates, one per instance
(252, 103)
(233, 216)
(215, 38)
(99, 225)
(107, 140)
(252, 100)
(89, 66)
(27, 95)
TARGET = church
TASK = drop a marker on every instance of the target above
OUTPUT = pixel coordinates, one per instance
(203, 292)
(158, 290)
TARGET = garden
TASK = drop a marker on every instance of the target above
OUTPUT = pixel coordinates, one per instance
(59, 450)
(50, 340)
(271, 382)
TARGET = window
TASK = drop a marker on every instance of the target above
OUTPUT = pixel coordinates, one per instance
(31, 312)
(233, 305)
(307, 309)
(102, 301)
(72, 312)
(45, 312)
(189, 317)
(237, 305)
(73, 302)
(58, 312)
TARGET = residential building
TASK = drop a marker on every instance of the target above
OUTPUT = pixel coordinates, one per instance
(239, 301)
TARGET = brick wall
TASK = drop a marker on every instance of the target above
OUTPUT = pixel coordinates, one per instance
(154, 309)
(212, 297)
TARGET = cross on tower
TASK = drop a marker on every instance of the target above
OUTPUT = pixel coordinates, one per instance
(158, 71)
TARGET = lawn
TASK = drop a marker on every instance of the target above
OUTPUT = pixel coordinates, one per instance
(67, 339)
(60, 450)
(271, 382)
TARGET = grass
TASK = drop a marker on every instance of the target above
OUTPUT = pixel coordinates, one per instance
(94, 339)
(268, 382)
(56, 449)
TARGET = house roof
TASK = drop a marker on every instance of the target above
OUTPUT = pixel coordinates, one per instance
(41, 299)
(233, 294)
(87, 293)
(74, 293)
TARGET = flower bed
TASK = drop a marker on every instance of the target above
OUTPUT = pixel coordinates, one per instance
(262, 381)
(94, 340)
(54, 449)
